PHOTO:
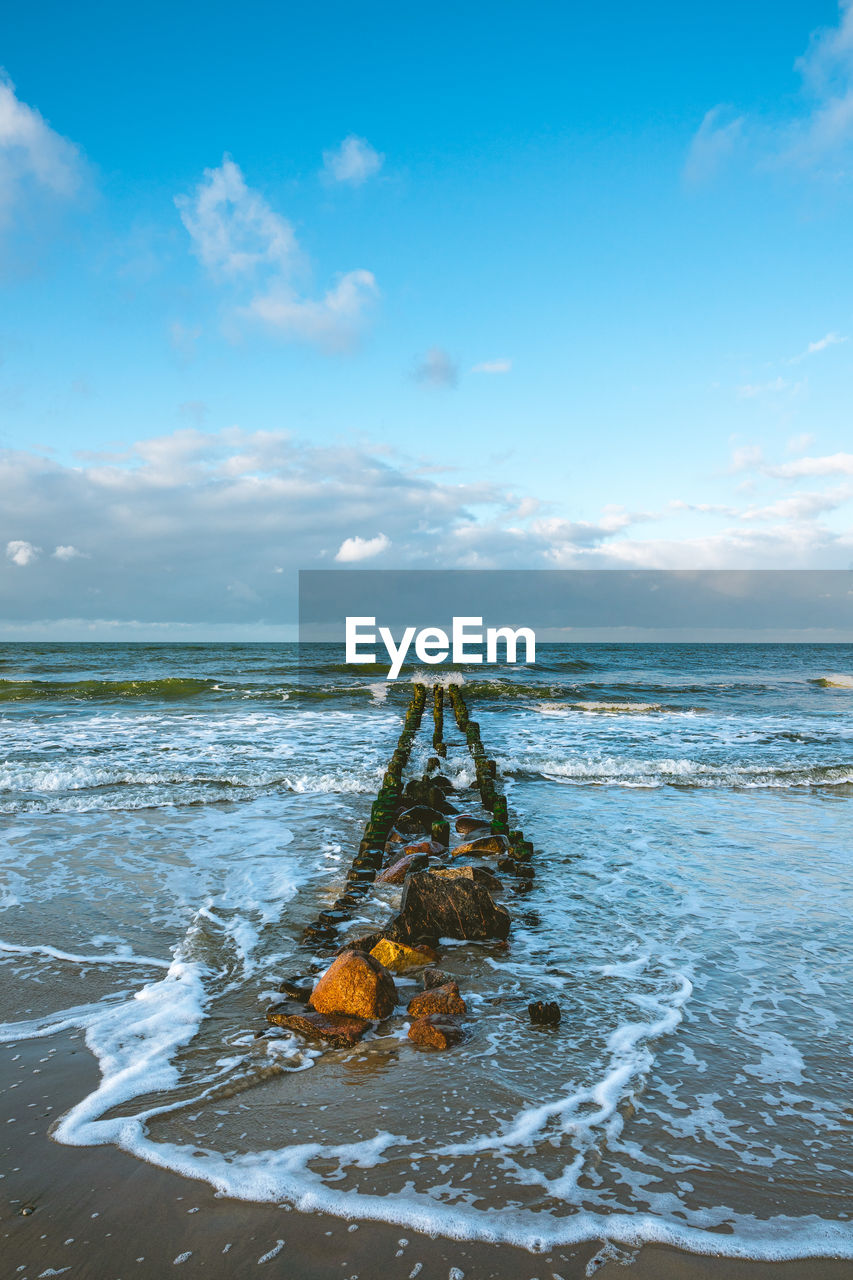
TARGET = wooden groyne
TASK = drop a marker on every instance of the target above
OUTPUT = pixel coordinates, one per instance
(449, 888)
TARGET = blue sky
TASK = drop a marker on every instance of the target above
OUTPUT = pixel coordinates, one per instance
(288, 286)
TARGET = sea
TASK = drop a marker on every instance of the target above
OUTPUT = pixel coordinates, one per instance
(174, 815)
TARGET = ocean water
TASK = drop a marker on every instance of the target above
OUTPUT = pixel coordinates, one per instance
(173, 816)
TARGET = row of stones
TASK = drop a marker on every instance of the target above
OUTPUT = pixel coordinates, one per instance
(486, 771)
(368, 859)
(437, 902)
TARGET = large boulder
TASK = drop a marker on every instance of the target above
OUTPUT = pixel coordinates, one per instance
(436, 1031)
(435, 907)
(356, 984)
(444, 999)
(337, 1030)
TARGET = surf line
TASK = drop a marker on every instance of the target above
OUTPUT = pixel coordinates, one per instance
(447, 893)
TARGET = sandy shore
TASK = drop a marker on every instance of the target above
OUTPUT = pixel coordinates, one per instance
(98, 1214)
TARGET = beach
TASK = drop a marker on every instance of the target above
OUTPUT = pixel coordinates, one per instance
(175, 816)
(99, 1212)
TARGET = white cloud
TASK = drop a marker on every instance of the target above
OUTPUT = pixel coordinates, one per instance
(22, 553)
(800, 506)
(354, 549)
(353, 162)
(834, 464)
(828, 340)
(68, 553)
(712, 144)
(799, 444)
(493, 366)
(32, 153)
(436, 369)
(330, 321)
(210, 527)
(233, 229)
(243, 242)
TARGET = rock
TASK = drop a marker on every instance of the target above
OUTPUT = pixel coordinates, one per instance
(465, 824)
(436, 1031)
(544, 1014)
(298, 987)
(365, 943)
(437, 907)
(335, 1029)
(444, 999)
(398, 957)
(418, 819)
(397, 872)
(357, 984)
(435, 978)
(497, 845)
(425, 846)
(444, 784)
(480, 874)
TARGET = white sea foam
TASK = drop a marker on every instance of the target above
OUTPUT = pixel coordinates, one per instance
(103, 957)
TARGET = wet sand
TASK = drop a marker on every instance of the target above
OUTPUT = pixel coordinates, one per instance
(95, 1213)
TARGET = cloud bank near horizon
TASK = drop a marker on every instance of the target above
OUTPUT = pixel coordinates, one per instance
(203, 527)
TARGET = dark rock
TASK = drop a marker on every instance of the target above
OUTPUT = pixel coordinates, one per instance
(435, 978)
(332, 918)
(435, 906)
(444, 784)
(418, 819)
(544, 1014)
(465, 825)
(443, 999)
(299, 988)
(336, 1030)
(436, 1031)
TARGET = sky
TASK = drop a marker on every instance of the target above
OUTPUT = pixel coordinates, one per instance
(392, 286)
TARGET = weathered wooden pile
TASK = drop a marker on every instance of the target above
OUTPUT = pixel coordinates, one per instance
(447, 892)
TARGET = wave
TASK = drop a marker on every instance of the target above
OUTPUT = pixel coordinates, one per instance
(839, 681)
(169, 688)
(617, 771)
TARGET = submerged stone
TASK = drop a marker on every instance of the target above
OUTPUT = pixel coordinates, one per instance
(299, 988)
(436, 1031)
(337, 1030)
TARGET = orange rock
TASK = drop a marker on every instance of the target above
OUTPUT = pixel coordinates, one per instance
(357, 984)
(482, 845)
(444, 999)
(399, 957)
(397, 872)
(437, 1031)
